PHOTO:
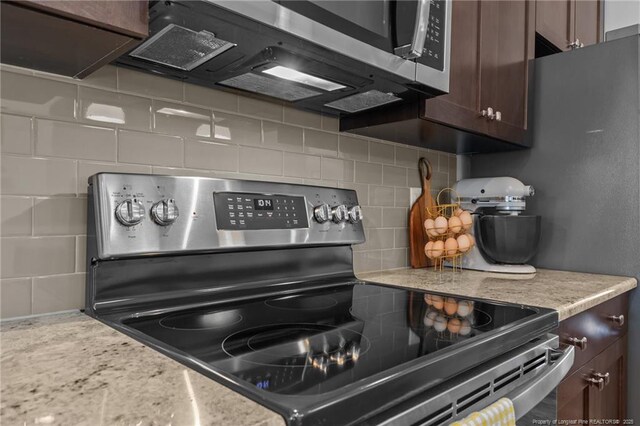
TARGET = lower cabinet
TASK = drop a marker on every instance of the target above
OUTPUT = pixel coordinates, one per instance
(596, 390)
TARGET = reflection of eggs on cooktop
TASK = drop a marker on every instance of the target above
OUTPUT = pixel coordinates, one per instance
(429, 318)
(440, 323)
(450, 305)
(437, 301)
(465, 328)
(427, 299)
(465, 307)
(454, 325)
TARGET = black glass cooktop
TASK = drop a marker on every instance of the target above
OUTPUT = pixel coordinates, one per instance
(317, 341)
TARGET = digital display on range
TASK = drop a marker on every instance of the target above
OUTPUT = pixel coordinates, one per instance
(263, 203)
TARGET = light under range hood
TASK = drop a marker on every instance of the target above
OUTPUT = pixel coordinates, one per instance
(267, 49)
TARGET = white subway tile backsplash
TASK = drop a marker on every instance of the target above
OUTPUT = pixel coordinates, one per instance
(259, 108)
(302, 118)
(210, 155)
(15, 297)
(216, 99)
(53, 140)
(179, 119)
(34, 256)
(320, 143)
(60, 216)
(301, 165)
(282, 136)
(71, 140)
(29, 95)
(58, 293)
(37, 176)
(149, 85)
(148, 148)
(15, 134)
(102, 107)
(89, 168)
(237, 129)
(260, 161)
(353, 148)
(16, 215)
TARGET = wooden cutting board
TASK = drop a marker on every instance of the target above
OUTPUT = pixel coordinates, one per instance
(417, 215)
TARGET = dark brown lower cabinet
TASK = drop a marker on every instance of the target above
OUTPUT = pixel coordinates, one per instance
(596, 391)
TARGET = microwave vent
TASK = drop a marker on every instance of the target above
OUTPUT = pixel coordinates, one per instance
(179, 47)
(270, 87)
(363, 101)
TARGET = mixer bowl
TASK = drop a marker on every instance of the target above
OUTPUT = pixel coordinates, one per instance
(508, 239)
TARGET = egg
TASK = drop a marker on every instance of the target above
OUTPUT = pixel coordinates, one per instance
(427, 299)
(438, 302)
(429, 318)
(450, 305)
(465, 328)
(458, 212)
(438, 249)
(464, 308)
(440, 323)
(429, 226)
(464, 243)
(428, 249)
(466, 219)
(455, 224)
(472, 239)
(451, 246)
(441, 224)
(454, 325)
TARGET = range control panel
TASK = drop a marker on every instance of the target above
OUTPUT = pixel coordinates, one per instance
(238, 211)
(137, 215)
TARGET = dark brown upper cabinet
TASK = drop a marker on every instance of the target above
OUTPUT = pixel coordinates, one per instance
(72, 38)
(569, 24)
(486, 108)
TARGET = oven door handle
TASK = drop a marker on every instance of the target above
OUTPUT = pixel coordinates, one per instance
(533, 392)
(414, 50)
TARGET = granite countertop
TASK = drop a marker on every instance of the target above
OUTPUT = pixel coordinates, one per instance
(72, 369)
(569, 293)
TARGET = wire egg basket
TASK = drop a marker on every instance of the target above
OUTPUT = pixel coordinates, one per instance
(447, 228)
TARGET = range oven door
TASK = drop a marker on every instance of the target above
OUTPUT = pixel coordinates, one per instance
(409, 38)
(528, 376)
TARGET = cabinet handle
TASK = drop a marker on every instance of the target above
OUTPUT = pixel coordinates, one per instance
(617, 319)
(488, 113)
(579, 343)
(599, 383)
(605, 377)
(498, 116)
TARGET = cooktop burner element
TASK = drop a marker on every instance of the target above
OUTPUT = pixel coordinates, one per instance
(252, 285)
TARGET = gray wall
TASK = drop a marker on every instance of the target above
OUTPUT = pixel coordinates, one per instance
(585, 165)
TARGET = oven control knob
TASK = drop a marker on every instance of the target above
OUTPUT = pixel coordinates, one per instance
(130, 212)
(322, 213)
(355, 214)
(340, 213)
(165, 212)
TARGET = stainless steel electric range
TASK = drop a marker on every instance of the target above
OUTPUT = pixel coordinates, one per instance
(252, 284)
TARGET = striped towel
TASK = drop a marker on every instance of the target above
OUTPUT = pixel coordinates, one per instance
(500, 413)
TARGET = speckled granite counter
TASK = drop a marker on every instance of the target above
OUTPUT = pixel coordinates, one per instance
(567, 292)
(70, 369)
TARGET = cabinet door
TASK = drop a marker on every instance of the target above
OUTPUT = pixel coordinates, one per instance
(506, 45)
(611, 401)
(555, 21)
(576, 396)
(588, 27)
(461, 108)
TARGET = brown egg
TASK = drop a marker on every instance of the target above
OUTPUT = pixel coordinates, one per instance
(466, 219)
(442, 224)
(450, 305)
(454, 325)
(472, 239)
(437, 250)
(458, 212)
(451, 246)
(428, 249)
(438, 303)
(464, 243)
(429, 226)
(455, 224)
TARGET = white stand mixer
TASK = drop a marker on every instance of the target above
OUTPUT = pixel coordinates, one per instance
(507, 196)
